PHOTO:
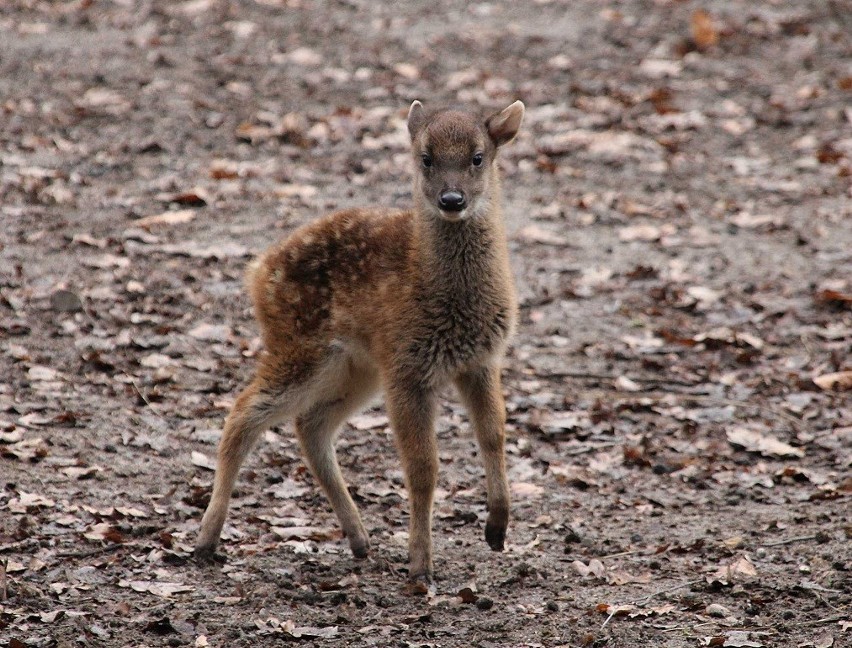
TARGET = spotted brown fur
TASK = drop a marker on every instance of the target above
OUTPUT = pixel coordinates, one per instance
(406, 301)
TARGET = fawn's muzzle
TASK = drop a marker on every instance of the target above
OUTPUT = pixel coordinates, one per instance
(452, 201)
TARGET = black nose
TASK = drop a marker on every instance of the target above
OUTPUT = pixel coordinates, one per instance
(452, 201)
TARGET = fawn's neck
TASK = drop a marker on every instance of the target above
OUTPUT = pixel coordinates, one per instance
(461, 257)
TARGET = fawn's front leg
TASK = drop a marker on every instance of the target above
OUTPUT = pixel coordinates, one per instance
(481, 394)
(412, 414)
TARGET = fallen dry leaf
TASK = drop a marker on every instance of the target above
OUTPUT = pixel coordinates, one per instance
(747, 220)
(616, 577)
(640, 232)
(42, 373)
(103, 531)
(25, 501)
(754, 441)
(225, 250)
(625, 384)
(106, 262)
(594, 568)
(839, 381)
(526, 490)
(740, 639)
(704, 33)
(834, 297)
(13, 436)
(203, 461)
(155, 361)
(211, 332)
(615, 610)
(305, 56)
(81, 472)
(740, 569)
(369, 421)
(538, 234)
(305, 533)
(407, 70)
(31, 449)
(167, 218)
(825, 640)
(666, 608)
(196, 198)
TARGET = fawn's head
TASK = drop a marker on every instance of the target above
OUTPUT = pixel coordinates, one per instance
(454, 155)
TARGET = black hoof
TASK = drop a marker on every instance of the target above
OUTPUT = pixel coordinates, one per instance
(495, 536)
(360, 552)
(208, 555)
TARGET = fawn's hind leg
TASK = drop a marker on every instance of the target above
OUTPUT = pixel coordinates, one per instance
(346, 392)
(251, 415)
(277, 392)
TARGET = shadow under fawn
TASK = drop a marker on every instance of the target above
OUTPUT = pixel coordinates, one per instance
(403, 301)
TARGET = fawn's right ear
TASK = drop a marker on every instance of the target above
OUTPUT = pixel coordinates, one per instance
(415, 118)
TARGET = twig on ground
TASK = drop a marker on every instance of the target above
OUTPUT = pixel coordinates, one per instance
(21, 545)
(831, 619)
(825, 601)
(778, 543)
(91, 552)
(620, 554)
(604, 376)
(647, 598)
(590, 448)
(3, 593)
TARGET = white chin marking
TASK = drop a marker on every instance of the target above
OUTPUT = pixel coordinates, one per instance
(454, 217)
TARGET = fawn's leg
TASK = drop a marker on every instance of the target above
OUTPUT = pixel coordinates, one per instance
(481, 394)
(253, 412)
(317, 431)
(412, 414)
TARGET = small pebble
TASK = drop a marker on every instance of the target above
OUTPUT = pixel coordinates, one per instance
(572, 536)
(716, 610)
(484, 603)
(65, 301)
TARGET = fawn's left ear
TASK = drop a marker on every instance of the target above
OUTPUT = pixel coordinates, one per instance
(415, 118)
(504, 125)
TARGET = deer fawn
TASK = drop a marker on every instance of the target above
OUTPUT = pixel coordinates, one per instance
(404, 301)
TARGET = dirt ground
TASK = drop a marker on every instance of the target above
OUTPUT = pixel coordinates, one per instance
(681, 229)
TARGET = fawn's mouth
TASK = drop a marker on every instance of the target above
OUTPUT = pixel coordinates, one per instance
(453, 216)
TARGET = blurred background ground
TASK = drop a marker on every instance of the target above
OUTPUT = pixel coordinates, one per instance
(681, 230)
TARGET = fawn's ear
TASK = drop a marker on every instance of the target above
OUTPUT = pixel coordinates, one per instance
(415, 118)
(504, 125)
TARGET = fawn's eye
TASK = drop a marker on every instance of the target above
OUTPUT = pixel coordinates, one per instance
(477, 159)
(426, 159)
